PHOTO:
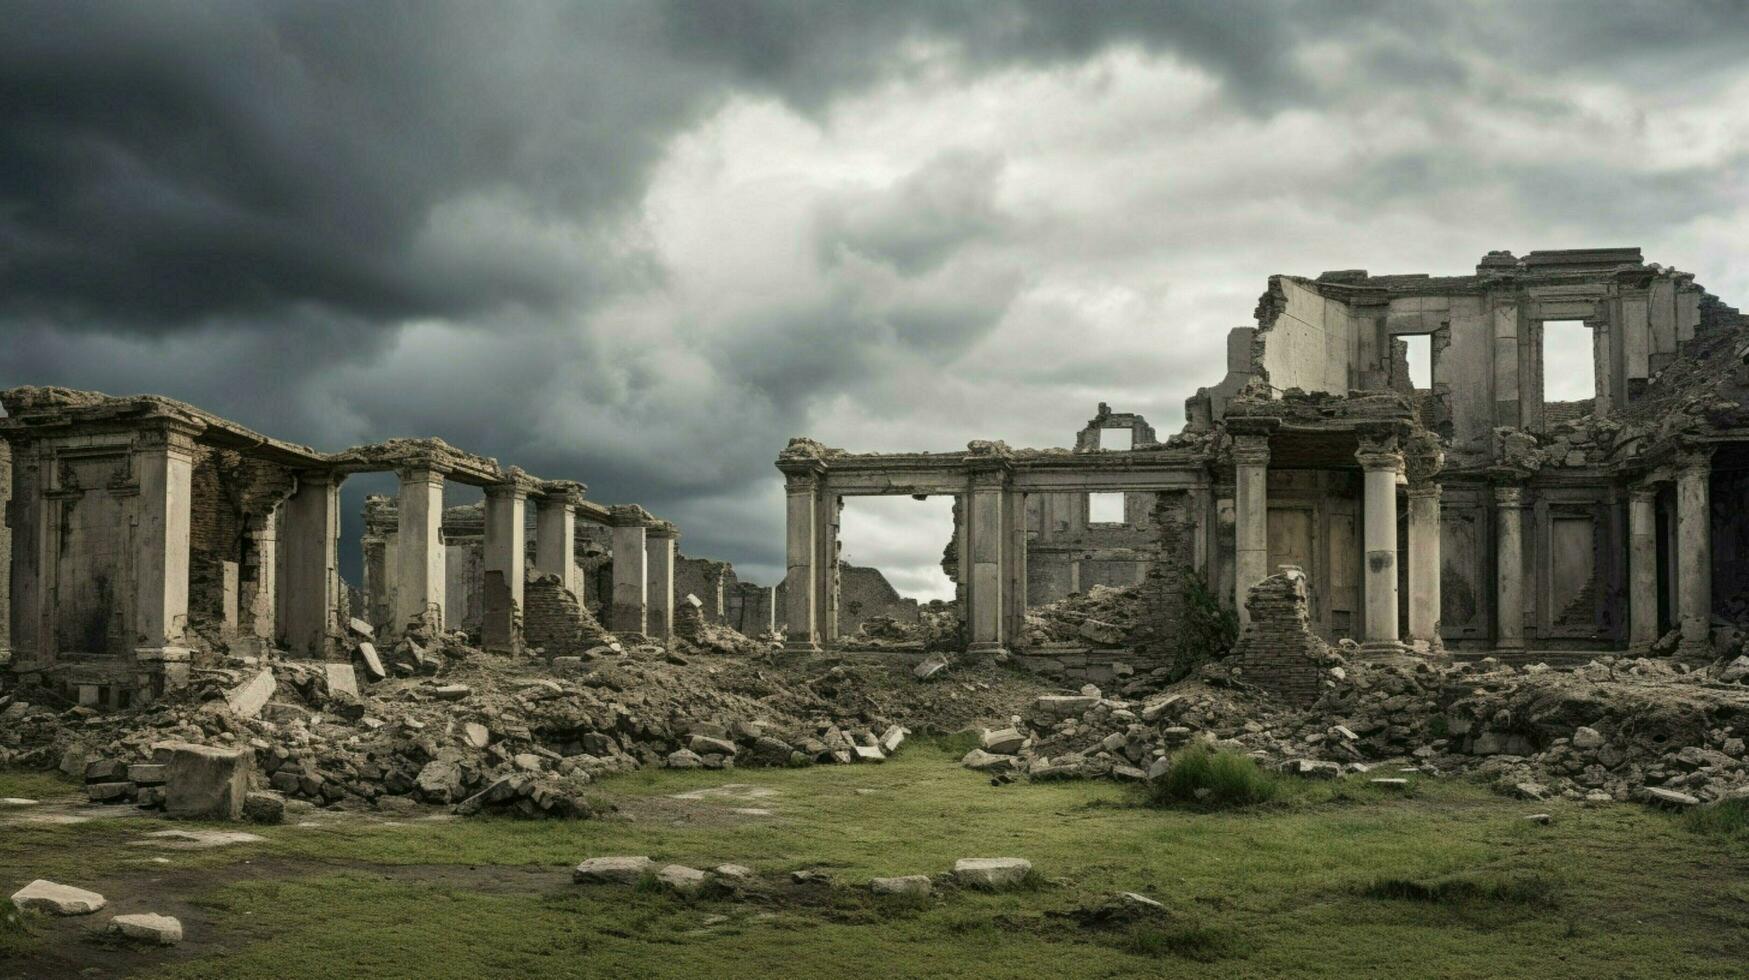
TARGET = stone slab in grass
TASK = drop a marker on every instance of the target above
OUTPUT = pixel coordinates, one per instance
(148, 927)
(902, 885)
(616, 870)
(682, 880)
(991, 872)
(42, 895)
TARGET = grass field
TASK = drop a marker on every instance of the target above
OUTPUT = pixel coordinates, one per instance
(1326, 880)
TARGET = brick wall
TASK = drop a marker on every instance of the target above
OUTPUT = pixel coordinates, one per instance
(1277, 651)
(555, 622)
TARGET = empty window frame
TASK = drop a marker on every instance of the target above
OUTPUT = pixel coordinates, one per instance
(1105, 508)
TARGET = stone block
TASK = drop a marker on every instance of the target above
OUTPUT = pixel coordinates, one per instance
(205, 783)
(983, 761)
(42, 895)
(148, 927)
(373, 664)
(902, 885)
(248, 698)
(109, 792)
(619, 870)
(991, 873)
(1003, 741)
(147, 774)
(682, 880)
(341, 679)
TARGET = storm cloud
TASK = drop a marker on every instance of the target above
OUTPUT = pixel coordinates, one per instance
(641, 244)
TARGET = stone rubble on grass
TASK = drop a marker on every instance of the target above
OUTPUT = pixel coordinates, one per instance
(42, 895)
(617, 870)
(902, 885)
(681, 879)
(991, 873)
(148, 927)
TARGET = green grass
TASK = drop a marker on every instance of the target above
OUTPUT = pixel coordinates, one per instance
(1332, 879)
(1202, 777)
(1728, 819)
(32, 785)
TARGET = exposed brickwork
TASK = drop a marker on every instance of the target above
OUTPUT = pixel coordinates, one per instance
(1278, 651)
(554, 622)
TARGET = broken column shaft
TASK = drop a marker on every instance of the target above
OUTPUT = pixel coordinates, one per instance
(1250, 517)
(630, 576)
(659, 582)
(310, 587)
(419, 560)
(1424, 566)
(1381, 464)
(800, 516)
(161, 557)
(1642, 568)
(555, 546)
(501, 561)
(1694, 580)
(1509, 567)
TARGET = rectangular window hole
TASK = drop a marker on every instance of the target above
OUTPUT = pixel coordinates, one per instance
(1105, 508)
(1117, 440)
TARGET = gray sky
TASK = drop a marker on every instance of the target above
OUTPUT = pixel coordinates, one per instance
(643, 244)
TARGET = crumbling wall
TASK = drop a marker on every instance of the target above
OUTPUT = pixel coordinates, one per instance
(231, 508)
(706, 579)
(1305, 339)
(555, 622)
(1277, 651)
(5, 552)
(750, 608)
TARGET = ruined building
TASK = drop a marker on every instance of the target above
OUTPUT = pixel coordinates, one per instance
(1471, 513)
(142, 529)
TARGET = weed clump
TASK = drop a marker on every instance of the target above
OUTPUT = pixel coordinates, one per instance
(1199, 943)
(1523, 890)
(1726, 818)
(1200, 776)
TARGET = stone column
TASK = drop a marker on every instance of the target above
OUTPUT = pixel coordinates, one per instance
(555, 540)
(828, 578)
(984, 532)
(802, 627)
(1381, 463)
(1694, 553)
(503, 554)
(1250, 517)
(263, 564)
(165, 461)
(1642, 568)
(659, 581)
(631, 581)
(419, 558)
(1424, 566)
(310, 586)
(1509, 567)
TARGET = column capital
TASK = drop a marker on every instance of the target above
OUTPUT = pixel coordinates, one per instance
(421, 474)
(1691, 458)
(1643, 493)
(801, 481)
(1508, 494)
(1250, 450)
(1379, 452)
(1425, 490)
(562, 493)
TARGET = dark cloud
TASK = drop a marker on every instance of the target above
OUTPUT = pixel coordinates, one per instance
(341, 222)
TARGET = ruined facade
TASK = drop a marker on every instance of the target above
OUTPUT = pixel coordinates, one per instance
(1470, 512)
(143, 529)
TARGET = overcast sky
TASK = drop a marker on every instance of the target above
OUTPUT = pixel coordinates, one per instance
(643, 244)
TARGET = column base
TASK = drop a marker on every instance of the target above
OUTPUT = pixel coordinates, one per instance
(161, 669)
(988, 649)
(1432, 647)
(801, 647)
(1382, 649)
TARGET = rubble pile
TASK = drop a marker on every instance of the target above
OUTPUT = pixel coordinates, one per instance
(1617, 728)
(1103, 616)
(938, 628)
(447, 724)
